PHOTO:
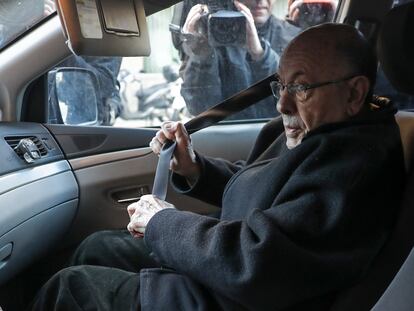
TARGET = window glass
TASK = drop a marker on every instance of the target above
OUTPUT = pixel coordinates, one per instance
(400, 2)
(200, 56)
(384, 88)
(17, 16)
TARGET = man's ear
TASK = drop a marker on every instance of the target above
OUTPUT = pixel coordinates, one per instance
(359, 87)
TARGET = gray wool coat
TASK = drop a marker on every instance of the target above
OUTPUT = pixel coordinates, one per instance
(296, 226)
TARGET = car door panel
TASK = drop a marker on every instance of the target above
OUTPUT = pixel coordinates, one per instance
(30, 240)
(38, 199)
(81, 141)
(34, 220)
(228, 141)
(118, 167)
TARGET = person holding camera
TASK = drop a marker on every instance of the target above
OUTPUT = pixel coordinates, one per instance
(214, 73)
(308, 13)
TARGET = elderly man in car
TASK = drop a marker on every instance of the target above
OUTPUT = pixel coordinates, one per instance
(301, 220)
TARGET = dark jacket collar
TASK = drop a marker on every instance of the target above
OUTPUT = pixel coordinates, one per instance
(380, 110)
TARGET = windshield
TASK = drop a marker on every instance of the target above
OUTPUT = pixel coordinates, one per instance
(202, 53)
(17, 16)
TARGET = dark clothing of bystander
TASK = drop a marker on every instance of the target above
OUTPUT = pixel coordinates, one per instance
(106, 70)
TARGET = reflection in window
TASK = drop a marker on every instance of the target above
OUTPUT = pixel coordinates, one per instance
(400, 2)
(199, 58)
(212, 71)
(16, 16)
(384, 88)
(108, 99)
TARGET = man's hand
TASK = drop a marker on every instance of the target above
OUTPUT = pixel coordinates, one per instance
(195, 37)
(49, 7)
(254, 47)
(293, 10)
(141, 212)
(191, 24)
(184, 160)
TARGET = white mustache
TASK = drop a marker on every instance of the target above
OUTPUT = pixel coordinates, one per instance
(291, 121)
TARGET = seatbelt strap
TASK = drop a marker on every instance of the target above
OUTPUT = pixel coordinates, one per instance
(234, 104)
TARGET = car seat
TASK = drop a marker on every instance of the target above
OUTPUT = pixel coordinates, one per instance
(396, 55)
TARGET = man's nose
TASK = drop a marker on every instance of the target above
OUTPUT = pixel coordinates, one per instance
(286, 104)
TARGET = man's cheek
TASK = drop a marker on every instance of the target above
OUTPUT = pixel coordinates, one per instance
(311, 114)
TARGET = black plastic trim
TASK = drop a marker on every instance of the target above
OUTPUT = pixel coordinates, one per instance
(10, 160)
(81, 141)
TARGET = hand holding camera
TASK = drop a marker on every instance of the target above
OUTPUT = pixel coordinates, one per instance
(215, 26)
(254, 47)
(191, 24)
(194, 34)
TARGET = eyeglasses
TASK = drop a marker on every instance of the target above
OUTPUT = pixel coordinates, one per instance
(299, 91)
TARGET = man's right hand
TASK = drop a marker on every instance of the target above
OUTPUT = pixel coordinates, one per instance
(195, 41)
(191, 25)
(184, 160)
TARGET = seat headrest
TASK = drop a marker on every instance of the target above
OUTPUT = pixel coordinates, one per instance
(396, 47)
(405, 120)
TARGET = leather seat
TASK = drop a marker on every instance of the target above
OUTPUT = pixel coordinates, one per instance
(396, 55)
(405, 120)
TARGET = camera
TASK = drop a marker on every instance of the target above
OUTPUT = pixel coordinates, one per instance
(225, 25)
(314, 12)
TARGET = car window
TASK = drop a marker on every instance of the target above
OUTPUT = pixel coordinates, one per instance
(18, 16)
(202, 53)
(384, 88)
(400, 2)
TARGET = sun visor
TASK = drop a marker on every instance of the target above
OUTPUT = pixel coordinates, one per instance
(105, 27)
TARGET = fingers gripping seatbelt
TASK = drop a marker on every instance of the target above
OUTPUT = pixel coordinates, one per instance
(234, 104)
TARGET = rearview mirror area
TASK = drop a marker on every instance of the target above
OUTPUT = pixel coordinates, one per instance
(73, 98)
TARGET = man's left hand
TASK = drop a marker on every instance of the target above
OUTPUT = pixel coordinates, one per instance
(141, 212)
(254, 47)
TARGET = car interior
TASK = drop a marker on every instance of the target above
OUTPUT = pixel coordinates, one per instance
(61, 182)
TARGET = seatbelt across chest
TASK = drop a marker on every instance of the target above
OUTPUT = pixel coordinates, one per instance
(234, 104)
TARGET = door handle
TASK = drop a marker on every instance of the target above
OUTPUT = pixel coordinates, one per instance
(5, 253)
(128, 200)
(130, 194)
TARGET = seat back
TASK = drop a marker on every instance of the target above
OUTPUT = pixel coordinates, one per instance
(399, 295)
(395, 52)
(367, 292)
(405, 120)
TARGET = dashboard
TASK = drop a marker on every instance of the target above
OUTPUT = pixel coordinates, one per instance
(38, 195)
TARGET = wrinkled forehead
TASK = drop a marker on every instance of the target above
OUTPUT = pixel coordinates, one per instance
(311, 56)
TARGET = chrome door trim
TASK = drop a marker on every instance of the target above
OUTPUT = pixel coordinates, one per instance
(104, 158)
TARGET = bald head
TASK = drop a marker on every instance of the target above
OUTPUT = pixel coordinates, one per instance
(335, 67)
(338, 48)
